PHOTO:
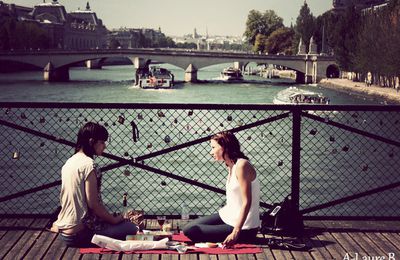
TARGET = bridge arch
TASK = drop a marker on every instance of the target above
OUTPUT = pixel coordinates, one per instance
(332, 71)
(314, 67)
(12, 65)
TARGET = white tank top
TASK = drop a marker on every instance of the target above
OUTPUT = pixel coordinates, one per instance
(230, 212)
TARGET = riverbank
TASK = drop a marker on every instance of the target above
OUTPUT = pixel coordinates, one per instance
(360, 87)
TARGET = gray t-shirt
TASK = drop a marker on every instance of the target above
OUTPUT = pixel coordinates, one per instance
(73, 197)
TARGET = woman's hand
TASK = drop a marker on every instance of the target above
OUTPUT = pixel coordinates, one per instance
(231, 239)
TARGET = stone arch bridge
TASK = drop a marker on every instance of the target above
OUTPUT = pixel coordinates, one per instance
(56, 63)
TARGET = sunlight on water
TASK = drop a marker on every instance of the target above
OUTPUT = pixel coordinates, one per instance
(115, 84)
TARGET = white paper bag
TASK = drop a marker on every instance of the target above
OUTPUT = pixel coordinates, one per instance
(119, 245)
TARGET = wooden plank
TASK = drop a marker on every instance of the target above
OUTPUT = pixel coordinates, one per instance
(166, 257)
(350, 246)
(27, 240)
(281, 254)
(175, 257)
(301, 254)
(318, 250)
(204, 257)
(41, 245)
(251, 257)
(266, 250)
(150, 256)
(232, 257)
(213, 257)
(262, 256)
(4, 226)
(111, 256)
(188, 257)
(242, 256)
(332, 246)
(170, 257)
(381, 242)
(71, 253)
(347, 225)
(222, 257)
(56, 250)
(92, 256)
(394, 239)
(11, 238)
(368, 245)
(129, 257)
(278, 253)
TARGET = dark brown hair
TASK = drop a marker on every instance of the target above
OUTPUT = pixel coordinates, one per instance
(90, 130)
(230, 144)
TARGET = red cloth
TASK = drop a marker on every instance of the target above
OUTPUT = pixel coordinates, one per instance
(238, 249)
(181, 238)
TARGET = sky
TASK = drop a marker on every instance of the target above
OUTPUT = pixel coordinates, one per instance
(179, 17)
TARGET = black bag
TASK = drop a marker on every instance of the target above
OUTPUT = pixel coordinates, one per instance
(282, 219)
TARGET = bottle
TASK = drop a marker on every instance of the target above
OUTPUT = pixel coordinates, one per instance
(185, 212)
(124, 211)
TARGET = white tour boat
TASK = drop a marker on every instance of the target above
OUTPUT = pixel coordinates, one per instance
(155, 78)
(231, 74)
(295, 95)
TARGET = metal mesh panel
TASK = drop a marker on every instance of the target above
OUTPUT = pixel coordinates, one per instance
(159, 155)
(338, 161)
(135, 133)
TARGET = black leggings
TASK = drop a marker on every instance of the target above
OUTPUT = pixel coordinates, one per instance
(213, 229)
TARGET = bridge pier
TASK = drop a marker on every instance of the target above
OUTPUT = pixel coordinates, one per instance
(94, 64)
(191, 73)
(55, 74)
(302, 78)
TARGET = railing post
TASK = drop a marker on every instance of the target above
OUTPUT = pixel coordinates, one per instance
(296, 135)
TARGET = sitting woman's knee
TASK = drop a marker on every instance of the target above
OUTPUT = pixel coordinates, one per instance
(191, 231)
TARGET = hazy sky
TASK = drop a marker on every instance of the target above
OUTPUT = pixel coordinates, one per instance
(178, 17)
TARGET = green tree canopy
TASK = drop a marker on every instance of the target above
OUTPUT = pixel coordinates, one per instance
(345, 38)
(261, 23)
(280, 40)
(259, 44)
(305, 25)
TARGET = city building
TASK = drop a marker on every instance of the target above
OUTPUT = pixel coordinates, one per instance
(79, 29)
(13, 10)
(207, 42)
(136, 37)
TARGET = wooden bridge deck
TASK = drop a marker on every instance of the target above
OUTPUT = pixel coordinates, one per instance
(27, 238)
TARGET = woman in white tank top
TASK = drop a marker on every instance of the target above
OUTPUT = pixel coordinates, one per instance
(239, 219)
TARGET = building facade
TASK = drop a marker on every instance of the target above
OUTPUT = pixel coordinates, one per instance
(77, 30)
(136, 38)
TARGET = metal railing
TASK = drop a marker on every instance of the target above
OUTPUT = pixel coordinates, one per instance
(335, 161)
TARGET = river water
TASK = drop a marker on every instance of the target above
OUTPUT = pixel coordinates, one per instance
(115, 84)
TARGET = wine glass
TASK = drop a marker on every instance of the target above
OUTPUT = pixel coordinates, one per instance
(161, 220)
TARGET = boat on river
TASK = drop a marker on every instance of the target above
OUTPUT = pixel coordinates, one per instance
(294, 95)
(154, 78)
(231, 74)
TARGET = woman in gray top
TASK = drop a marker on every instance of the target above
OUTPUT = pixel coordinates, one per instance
(82, 212)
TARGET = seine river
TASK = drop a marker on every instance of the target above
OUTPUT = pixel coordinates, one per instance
(114, 84)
